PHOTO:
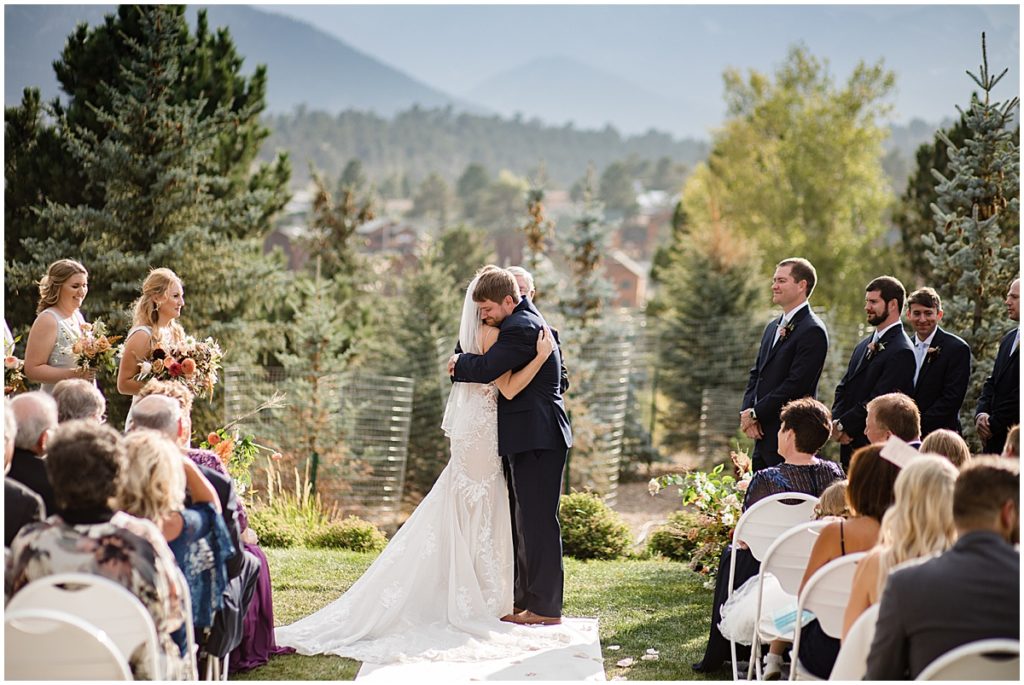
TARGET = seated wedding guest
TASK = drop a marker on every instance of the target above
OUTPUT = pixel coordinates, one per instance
(869, 493)
(947, 444)
(969, 593)
(86, 535)
(79, 399)
(805, 428)
(1012, 446)
(833, 501)
(250, 572)
(36, 416)
(21, 505)
(917, 525)
(152, 486)
(893, 414)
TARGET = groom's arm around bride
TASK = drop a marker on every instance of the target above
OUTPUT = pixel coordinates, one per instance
(533, 432)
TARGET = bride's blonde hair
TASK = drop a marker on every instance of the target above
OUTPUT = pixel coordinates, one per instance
(920, 521)
(157, 283)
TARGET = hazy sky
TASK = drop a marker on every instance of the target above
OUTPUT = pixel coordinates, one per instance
(679, 51)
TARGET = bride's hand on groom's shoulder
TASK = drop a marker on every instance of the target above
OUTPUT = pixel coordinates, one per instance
(545, 342)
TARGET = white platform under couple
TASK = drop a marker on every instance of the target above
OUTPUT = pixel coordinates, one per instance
(476, 550)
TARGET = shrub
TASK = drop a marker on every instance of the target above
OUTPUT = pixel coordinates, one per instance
(351, 533)
(272, 529)
(677, 539)
(590, 529)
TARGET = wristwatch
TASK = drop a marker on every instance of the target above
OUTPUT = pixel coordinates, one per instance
(839, 427)
(753, 414)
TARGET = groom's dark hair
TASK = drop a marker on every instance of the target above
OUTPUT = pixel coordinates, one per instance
(494, 283)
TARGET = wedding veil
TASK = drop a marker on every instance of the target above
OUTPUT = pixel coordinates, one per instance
(456, 419)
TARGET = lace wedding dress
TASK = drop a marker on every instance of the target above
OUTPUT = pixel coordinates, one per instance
(439, 588)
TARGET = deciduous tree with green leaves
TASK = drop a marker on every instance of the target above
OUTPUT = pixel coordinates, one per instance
(796, 168)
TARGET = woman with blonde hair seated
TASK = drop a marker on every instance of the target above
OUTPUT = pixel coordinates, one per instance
(948, 444)
(918, 525)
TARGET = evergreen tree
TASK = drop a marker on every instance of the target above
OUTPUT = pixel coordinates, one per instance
(709, 297)
(974, 251)
(199, 91)
(158, 198)
(433, 199)
(585, 246)
(913, 214)
(471, 188)
(537, 229)
(428, 292)
(461, 251)
(616, 189)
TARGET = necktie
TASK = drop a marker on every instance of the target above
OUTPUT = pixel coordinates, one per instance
(920, 351)
(1016, 342)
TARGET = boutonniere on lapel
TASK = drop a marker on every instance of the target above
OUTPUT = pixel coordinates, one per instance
(932, 353)
(786, 330)
(874, 348)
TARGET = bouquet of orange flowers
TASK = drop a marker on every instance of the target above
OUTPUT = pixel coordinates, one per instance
(192, 362)
(238, 452)
(94, 349)
(14, 378)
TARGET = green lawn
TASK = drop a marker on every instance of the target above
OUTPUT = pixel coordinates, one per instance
(640, 604)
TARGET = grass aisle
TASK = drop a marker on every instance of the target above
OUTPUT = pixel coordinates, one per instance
(640, 605)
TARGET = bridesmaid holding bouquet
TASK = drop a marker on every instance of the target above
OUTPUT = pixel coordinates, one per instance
(48, 355)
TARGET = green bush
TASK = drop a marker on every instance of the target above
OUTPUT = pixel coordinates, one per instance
(590, 529)
(273, 529)
(352, 533)
(676, 539)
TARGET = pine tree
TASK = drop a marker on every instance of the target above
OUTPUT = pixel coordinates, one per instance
(428, 292)
(44, 146)
(537, 229)
(974, 251)
(710, 294)
(585, 246)
(913, 214)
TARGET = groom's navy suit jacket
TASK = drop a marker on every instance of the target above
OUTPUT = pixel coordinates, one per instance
(891, 369)
(942, 383)
(788, 371)
(534, 419)
(1000, 396)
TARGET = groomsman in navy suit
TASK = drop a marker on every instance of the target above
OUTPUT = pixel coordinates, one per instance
(943, 364)
(999, 405)
(881, 363)
(789, 362)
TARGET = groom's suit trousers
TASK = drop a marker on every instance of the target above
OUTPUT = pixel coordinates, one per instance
(537, 486)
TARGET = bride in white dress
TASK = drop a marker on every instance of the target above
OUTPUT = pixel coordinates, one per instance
(438, 590)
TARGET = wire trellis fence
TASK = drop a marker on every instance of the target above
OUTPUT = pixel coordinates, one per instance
(345, 434)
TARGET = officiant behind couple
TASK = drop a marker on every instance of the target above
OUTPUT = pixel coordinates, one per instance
(442, 586)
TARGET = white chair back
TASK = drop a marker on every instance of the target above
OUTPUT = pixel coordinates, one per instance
(759, 527)
(981, 660)
(42, 644)
(101, 602)
(852, 662)
(826, 594)
(786, 559)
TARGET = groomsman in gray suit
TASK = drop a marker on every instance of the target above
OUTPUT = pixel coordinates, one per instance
(969, 593)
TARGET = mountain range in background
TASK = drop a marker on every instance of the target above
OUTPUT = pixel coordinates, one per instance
(582, 87)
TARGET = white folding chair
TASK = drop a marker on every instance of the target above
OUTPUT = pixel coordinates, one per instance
(852, 662)
(101, 602)
(981, 660)
(826, 594)
(42, 644)
(759, 527)
(786, 559)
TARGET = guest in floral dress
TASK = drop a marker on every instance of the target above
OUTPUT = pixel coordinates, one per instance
(86, 535)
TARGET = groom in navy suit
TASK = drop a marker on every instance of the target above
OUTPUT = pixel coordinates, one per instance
(533, 433)
(789, 363)
(881, 363)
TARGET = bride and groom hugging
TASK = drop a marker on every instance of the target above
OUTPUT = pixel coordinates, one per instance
(479, 559)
